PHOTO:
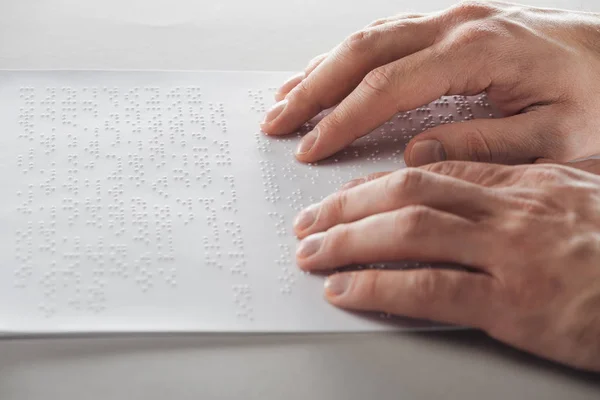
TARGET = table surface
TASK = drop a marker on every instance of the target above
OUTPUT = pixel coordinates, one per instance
(244, 35)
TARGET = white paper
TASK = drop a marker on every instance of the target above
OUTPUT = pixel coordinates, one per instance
(151, 202)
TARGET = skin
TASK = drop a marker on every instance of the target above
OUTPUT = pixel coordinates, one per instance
(539, 68)
(529, 234)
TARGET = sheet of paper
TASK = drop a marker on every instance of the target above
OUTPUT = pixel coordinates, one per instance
(150, 201)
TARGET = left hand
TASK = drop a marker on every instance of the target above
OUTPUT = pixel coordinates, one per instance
(531, 233)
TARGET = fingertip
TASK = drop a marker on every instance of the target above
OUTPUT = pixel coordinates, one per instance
(279, 96)
(304, 158)
(271, 117)
(336, 286)
(425, 151)
(306, 148)
(264, 128)
(288, 85)
(305, 220)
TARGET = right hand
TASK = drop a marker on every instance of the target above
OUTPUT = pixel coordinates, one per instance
(540, 67)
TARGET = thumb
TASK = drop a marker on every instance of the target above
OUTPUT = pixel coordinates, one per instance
(512, 140)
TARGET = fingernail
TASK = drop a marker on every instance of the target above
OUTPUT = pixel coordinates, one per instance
(307, 142)
(353, 183)
(427, 152)
(275, 111)
(307, 217)
(310, 246)
(337, 285)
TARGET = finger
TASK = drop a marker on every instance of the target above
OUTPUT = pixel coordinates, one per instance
(484, 174)
(382, 21)
(415, 233)
(399, 189)
(454, 297)
(521, 138)
(288, 85)
(314, 63)
(590, 165)
(292, 82)
(402, 85)
(360, 181)
(346, 66)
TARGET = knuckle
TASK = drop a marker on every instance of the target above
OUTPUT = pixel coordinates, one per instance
(557, 143)
(302, 91)
(479, 148)
(529, 293)
(338, 118)
(336, 206)
(371, 289)
(401, 182)
(532, 207)
(586, 248)
(478, 32)
(473, 9)
(361, 41)
(500, 176)
(545, 174)
(314, 63)
(447, 168)
(425, 286)
(379, 81)
(378, 22)
(411, 220)
(337, 239)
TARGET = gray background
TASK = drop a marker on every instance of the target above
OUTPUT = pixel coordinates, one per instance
(244, 35)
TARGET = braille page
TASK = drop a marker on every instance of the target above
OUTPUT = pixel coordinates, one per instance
(150, 201)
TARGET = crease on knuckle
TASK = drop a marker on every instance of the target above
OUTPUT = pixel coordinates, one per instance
(339, 120)
(336, 206)
(302, 91)
(371, 289)
(305, 93)
(479, 147)
(336, 243)
(379, 82)
(447, 168)
(502, 176)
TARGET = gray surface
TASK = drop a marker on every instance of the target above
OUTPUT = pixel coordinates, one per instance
(262, 34)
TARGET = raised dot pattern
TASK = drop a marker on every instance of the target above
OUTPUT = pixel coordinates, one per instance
(170, 193)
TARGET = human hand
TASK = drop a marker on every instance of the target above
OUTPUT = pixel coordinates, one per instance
(531, 233)
(539, 67)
